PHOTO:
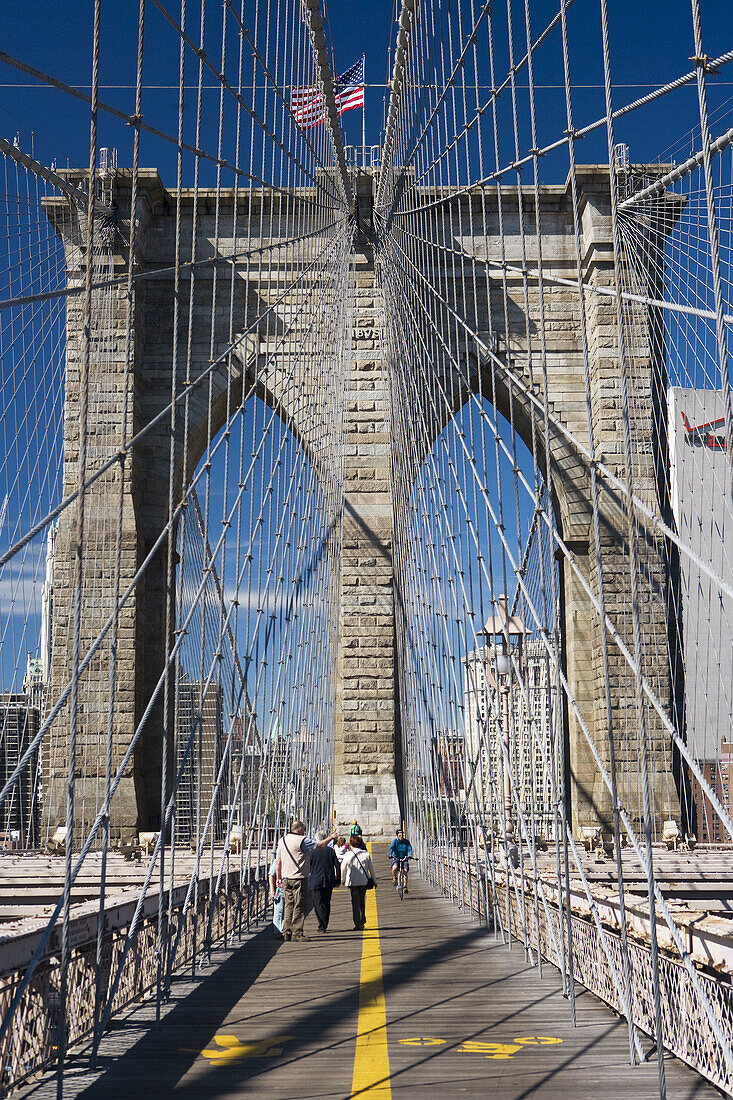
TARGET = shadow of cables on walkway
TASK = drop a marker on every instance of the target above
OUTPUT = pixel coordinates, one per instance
(165, 1054)
(192, 1026)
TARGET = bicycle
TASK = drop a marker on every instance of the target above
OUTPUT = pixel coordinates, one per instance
(402, 870)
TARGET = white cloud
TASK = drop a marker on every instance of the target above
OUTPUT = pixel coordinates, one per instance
(21, 580)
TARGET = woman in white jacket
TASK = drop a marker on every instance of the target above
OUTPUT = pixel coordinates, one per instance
(357, 870)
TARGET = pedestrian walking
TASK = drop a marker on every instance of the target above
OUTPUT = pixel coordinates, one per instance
(341, 848)
(325, 873)
(358, 873)
(355, 829)
(294, 853)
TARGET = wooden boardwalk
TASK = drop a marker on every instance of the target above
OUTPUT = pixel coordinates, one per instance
(464, 1016)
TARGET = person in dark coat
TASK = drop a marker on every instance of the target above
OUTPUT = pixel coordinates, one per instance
(325, 873)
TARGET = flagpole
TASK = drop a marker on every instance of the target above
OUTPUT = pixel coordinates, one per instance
(363, 118)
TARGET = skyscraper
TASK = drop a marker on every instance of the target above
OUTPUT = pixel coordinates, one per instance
(533, 718)
(20, 813)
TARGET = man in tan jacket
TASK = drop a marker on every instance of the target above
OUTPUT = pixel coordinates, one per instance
(293, 866)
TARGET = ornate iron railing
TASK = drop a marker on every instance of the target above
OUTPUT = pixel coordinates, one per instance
(33, 1040)
(686, 1028)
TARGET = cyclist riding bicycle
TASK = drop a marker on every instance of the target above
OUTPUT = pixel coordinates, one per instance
(400, 851)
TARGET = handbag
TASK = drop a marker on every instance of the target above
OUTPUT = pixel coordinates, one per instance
(370, 883)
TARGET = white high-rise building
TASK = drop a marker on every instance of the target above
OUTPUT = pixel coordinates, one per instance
(531, 716)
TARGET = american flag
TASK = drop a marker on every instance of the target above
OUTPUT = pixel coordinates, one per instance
(349, 88)
(307, 103)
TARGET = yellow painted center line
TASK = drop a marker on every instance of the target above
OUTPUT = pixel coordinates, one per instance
(371, 1061)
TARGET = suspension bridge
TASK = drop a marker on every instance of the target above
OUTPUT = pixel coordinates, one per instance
(387, 482)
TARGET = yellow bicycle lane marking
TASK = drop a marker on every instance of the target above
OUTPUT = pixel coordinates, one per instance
(489, 1049)
(421, 1042)
(231, 1049)
(371, 1061)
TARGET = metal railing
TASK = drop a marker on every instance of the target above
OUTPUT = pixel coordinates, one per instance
(686, 1029)
(34, 1038)
(363, 156)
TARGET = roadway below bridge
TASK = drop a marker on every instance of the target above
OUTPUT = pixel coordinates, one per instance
(424, 1003)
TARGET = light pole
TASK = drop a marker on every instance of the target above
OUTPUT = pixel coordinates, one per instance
(505, 637)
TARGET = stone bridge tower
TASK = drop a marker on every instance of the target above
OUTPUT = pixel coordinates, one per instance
(367, 739)
(474, 229)
(368, 750)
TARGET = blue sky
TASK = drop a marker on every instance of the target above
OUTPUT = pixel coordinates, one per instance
(651, 43)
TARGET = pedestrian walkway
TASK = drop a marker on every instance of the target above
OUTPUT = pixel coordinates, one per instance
(424, 1004)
